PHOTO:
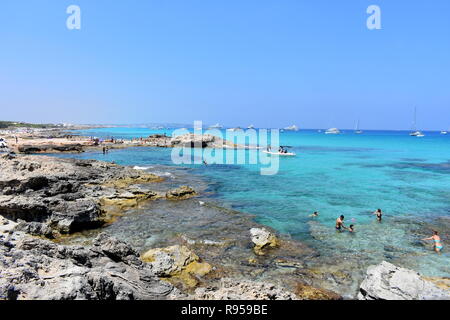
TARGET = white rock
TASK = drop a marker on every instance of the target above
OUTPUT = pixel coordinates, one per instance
(389, 282)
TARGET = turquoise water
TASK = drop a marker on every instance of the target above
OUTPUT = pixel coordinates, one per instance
(407, 177)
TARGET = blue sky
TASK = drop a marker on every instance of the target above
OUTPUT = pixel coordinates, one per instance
(272, 63)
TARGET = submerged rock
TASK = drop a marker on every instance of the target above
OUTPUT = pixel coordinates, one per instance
(177, 262)
(307, 292)
(181, 193)
(389, 282)
(243, 290)
(262, 239)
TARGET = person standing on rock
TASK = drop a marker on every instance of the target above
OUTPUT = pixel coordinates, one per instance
(437, 241)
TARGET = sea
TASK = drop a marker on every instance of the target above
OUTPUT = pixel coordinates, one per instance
(347, 174)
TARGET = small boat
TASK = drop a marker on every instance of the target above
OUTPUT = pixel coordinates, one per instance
(444, 132)
(415, 132)
(282, 154)
(288, 154)
(291, 128)
(251, 127)
(234, 129)
(216, 126)
(333, 131)
(357, 130)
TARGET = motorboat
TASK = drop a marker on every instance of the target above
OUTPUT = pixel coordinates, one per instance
(216, 126)
(291, 128)
(333, 131)
(283, 152)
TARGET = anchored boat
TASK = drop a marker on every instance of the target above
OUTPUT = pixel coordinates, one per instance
(415, 132)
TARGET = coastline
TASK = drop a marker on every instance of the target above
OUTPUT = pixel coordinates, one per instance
(114, 187)
(285, 262)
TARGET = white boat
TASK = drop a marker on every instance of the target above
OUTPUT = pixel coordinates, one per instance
(333, 131)
(216, 126)
(234, 129)
(415, 132)
(251, 127)
(291, 128)
(288, 154)
(357, 130)
(444, 132)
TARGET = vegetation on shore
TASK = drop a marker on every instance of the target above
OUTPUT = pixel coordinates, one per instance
(13, 124)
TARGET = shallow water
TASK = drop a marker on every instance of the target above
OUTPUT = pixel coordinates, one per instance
(409, 178)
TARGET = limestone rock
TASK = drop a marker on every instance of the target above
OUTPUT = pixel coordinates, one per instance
(244, 290)
(181, 193)
(36, 269)
(63, 194)
(389, 282)
(306, 292)
(262, 239)
(177, 261)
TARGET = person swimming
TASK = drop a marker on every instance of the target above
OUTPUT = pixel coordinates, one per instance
(314, 214)
(340, 223)
(379, 215)
(351, 228)
(437, 241)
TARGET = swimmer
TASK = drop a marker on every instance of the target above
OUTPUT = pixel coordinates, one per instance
(437, 241)
(315, 214)
(379, 215)
(340, 223)
(351, 228)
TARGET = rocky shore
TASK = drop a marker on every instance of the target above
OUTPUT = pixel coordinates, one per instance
(44, 199)
(59, 140)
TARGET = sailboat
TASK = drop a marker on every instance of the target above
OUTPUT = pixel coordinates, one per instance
(251, 127)
(357, 130)
(415, 132)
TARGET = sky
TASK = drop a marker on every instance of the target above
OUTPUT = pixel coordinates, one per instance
(271, 63)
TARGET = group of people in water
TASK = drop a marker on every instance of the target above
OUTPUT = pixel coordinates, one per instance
(340, 227)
